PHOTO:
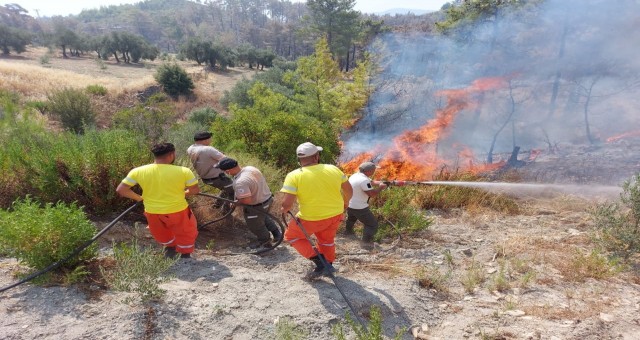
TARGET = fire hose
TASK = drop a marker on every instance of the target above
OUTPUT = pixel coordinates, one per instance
(281, 226)
(327, 268)
(405, 183)
(73, 254)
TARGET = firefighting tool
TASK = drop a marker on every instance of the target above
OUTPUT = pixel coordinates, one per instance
(328, 268)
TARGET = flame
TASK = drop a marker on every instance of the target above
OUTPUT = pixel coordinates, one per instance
(414, 155)
(623, 135)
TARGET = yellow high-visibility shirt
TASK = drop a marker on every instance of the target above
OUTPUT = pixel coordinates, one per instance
(162, 186)
(318, 190)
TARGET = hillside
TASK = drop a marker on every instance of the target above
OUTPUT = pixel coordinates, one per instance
(545, 295)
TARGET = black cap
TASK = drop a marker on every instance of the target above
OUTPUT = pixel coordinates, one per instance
(162, 149)
(226, 164)
(202, 135)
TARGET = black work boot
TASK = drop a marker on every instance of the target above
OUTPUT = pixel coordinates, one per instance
(273, 229)
(320, 269)
(169, 252)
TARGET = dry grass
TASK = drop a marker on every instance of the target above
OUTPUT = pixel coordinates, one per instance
(548, 312)
(34, 82)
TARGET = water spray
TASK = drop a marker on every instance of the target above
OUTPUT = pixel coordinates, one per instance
(521, 188)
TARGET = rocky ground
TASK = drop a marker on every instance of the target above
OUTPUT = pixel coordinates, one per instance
(419, 283)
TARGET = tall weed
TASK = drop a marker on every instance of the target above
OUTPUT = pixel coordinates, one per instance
(65, 166)
(139, 270)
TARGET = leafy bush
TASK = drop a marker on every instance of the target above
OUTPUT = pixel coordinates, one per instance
(203, 116)
(73, 108)
(97, 90)
(150, 119)
(619, 223)
(138, 270)
(174, 79)
(41, 235)
(392, 206)
(274, 126)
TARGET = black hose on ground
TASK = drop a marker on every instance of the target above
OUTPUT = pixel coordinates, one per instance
(281, 226)
(73, 254)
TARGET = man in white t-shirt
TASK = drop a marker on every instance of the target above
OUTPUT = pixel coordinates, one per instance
(363, 188)
(252, 190)
(204, 157)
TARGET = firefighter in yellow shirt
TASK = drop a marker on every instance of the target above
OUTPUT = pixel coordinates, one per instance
(164, 190)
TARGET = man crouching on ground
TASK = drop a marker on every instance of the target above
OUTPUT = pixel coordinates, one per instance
(323, 193)
(251, 190)
(163, 184)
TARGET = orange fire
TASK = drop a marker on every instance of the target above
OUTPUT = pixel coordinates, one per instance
(623, 135)
(414, 155)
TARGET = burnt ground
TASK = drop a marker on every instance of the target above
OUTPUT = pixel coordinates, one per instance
(477, 275)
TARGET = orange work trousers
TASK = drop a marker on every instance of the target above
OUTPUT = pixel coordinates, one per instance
(324, 230)
(178, 229)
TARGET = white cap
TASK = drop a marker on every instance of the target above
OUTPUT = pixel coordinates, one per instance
(307, 149)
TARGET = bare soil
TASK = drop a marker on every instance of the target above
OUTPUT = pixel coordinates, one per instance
(529, 288)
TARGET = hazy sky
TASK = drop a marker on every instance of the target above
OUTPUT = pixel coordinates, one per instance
(66, 7)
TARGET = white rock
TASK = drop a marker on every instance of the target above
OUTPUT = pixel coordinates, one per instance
(424, 328)
(414, 332)
(491, 270)
(515, 313)
(443, 306)
(607, 317)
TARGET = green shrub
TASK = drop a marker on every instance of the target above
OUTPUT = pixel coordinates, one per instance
(138, 270)
(73, 108)
(374, 331)
(97, 90)
(101, 64)
(286, 329)
(41, 235)
(67, 167)
(45, 59)
(174, 79)
(618, 223)
(203, 116)
(392, 206)
(150, 120)
(37, 105)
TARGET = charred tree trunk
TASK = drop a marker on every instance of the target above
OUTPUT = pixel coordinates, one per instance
(513, 159)
(556, 82)
(512, 110)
